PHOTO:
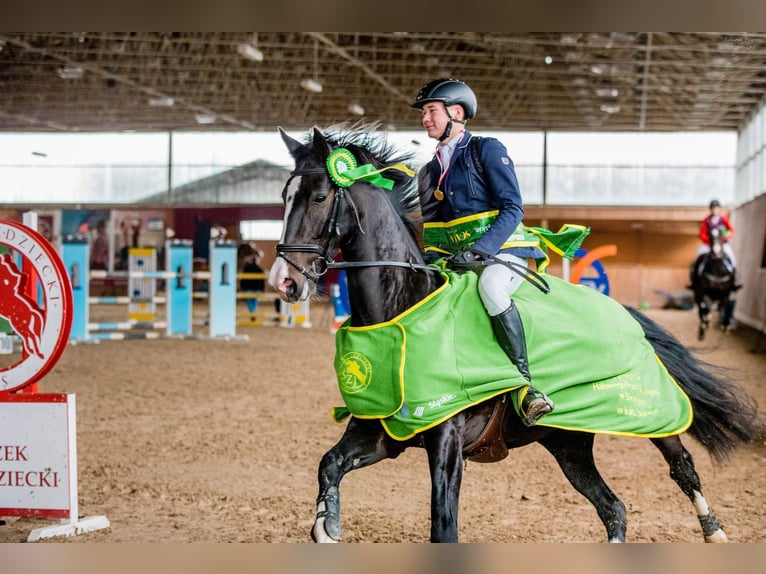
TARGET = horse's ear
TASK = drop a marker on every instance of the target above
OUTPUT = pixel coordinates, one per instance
(292, 144)
(320, 143)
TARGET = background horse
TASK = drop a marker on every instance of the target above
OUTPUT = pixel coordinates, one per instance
(714, 286)
(377, 231)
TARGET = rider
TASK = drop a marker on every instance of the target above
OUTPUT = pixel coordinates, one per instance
(451, 188)
(715, 220)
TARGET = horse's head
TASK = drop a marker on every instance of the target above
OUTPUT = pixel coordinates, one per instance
(323, 211)
(716, 244)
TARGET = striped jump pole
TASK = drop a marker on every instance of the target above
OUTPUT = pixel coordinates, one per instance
(142, 287)
(178, 300)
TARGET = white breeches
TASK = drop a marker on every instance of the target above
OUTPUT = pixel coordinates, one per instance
(497, 283)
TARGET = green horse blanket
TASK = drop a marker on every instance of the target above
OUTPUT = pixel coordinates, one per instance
(439, 357)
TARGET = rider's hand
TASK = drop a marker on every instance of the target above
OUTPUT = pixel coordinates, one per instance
(464, 257)
(464, 260)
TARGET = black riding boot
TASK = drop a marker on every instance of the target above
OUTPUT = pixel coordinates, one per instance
(692, 277)
(734, 280)
(509, 332)
(694, 273)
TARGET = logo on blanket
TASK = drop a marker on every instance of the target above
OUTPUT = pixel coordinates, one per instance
(354, 372)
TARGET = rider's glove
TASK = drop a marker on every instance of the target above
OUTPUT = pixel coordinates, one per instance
(464, 260)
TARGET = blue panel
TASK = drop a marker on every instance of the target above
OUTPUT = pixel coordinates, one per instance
(75, 257)
(179, 290)
(223, 289)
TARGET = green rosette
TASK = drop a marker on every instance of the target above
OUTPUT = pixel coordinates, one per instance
(339, 163)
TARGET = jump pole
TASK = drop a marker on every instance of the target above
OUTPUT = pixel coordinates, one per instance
(75, 254)
(222, 296)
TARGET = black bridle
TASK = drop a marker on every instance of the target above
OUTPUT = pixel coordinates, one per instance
(330, 238)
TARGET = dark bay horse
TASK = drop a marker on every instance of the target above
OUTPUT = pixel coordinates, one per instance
(377, 231)
(714, 286)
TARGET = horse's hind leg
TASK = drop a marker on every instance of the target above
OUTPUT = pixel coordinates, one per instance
(682, 472)
(574, 453)
(362, 444)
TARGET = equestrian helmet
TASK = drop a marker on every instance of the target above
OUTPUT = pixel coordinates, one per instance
(450, 92)
(715, 203)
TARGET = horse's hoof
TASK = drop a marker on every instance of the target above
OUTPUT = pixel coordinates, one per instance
(319, 534)
(718, 536)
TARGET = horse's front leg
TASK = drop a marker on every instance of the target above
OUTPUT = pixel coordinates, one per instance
(444, 445)
(362, 444)
(703, 310)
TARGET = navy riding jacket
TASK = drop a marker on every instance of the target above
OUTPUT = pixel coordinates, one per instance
(468, 192)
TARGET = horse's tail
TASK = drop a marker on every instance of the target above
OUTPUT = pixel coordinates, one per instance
(725, 416)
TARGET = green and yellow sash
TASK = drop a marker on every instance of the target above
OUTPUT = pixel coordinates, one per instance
(459, 234)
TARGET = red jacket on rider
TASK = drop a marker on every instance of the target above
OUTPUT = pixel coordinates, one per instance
(708, 224)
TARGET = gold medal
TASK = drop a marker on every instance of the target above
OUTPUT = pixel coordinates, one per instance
(439, 194)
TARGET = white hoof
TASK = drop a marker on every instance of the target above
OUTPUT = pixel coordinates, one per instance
(319, 534)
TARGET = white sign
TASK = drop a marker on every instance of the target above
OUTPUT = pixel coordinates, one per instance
(38, 456)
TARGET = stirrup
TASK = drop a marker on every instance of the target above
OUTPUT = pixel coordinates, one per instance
(534, 406)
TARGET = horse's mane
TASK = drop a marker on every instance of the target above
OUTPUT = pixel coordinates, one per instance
(369, 145)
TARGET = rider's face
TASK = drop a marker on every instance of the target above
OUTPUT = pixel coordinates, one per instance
(434, 119)
(436, 115)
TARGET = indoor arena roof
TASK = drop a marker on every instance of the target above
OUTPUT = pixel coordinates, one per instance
(198, 81)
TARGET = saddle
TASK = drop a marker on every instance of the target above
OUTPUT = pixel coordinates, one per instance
(490, 445)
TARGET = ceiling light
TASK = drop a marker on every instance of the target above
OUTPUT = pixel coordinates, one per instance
(607, 92)
(205, 119)
(250, 52)
(161, 102)
(624, 37)
(548, 60)
(70, 72)
(356, 109)
(597, 70)
(610, 109)
(311, 85)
